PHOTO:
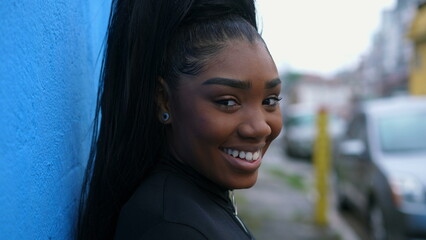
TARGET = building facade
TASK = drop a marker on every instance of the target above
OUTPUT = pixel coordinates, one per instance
(417, 34)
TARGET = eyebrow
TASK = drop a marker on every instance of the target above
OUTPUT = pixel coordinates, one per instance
(234, 83)
(273, 83)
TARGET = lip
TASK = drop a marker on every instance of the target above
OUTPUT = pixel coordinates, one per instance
(243, 165)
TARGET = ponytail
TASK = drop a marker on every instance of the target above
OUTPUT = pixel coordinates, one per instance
(146, 39)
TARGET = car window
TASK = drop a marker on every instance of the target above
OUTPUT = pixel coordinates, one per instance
(403, 132)
(356, 129)
(310, 120)
(301, 120)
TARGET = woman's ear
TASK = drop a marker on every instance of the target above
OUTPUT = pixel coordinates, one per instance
(163, 101)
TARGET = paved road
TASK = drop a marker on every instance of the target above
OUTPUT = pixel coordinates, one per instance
(281, 204)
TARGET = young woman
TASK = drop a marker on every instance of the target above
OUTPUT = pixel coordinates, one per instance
(188, 105)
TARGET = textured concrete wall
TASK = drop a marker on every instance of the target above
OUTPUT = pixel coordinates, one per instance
(49, 67)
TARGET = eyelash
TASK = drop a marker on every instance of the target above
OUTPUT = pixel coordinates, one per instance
(225, 102)
(275, 99)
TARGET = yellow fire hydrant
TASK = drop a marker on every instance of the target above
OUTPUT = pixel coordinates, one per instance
(321, 159)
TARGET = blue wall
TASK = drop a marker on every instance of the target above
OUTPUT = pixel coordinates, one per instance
(49, 67)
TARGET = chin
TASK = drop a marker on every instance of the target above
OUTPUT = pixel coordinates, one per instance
(244, 182)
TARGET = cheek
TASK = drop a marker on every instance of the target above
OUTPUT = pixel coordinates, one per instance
(276, 124)
(213, 127)
(198, 122)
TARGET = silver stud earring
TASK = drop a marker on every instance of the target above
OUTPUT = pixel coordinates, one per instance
(165, 116)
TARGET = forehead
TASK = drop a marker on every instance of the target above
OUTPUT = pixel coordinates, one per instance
(238, 54)
(241, 60)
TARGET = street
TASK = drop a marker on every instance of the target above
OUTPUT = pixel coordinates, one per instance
(281, 204)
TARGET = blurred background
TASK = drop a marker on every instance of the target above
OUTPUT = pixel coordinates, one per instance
(349, 164)
(361, 65)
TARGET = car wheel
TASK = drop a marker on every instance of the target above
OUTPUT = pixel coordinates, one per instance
(342, 202)
(377, 223)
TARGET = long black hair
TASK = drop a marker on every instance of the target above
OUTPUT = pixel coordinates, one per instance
(147, 40)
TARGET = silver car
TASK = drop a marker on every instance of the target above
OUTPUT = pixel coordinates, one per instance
(381, 167)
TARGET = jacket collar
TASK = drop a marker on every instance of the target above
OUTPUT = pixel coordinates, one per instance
(217, 193)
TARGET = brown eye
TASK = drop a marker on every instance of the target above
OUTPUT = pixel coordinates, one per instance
(227, 102)
(272, 101)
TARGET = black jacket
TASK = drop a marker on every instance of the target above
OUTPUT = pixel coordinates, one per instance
(175, 202)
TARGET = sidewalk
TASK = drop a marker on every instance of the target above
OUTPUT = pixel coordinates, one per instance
(281, 204)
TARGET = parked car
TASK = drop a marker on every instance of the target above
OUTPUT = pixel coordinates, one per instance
(381, 167)
(300, 129)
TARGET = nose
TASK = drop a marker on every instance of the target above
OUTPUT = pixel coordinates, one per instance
(254, 126)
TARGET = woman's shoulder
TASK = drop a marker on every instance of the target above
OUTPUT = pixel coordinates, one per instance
(160, 231)
(169, 206)
(163, 202)
(162, 189)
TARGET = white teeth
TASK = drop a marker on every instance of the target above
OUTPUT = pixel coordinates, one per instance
(249, 156)
(256, 155)
(234, 153)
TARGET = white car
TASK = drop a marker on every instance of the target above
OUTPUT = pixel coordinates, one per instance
(300, 129)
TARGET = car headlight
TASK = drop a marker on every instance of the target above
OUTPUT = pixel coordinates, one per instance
(407, 189)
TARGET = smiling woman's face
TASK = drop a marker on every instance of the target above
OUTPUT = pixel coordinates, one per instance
(224, 119)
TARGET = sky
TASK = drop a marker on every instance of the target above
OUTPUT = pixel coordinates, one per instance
(319, 36)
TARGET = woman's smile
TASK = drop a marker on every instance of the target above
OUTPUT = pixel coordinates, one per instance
(246, 155)
(243, 161)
